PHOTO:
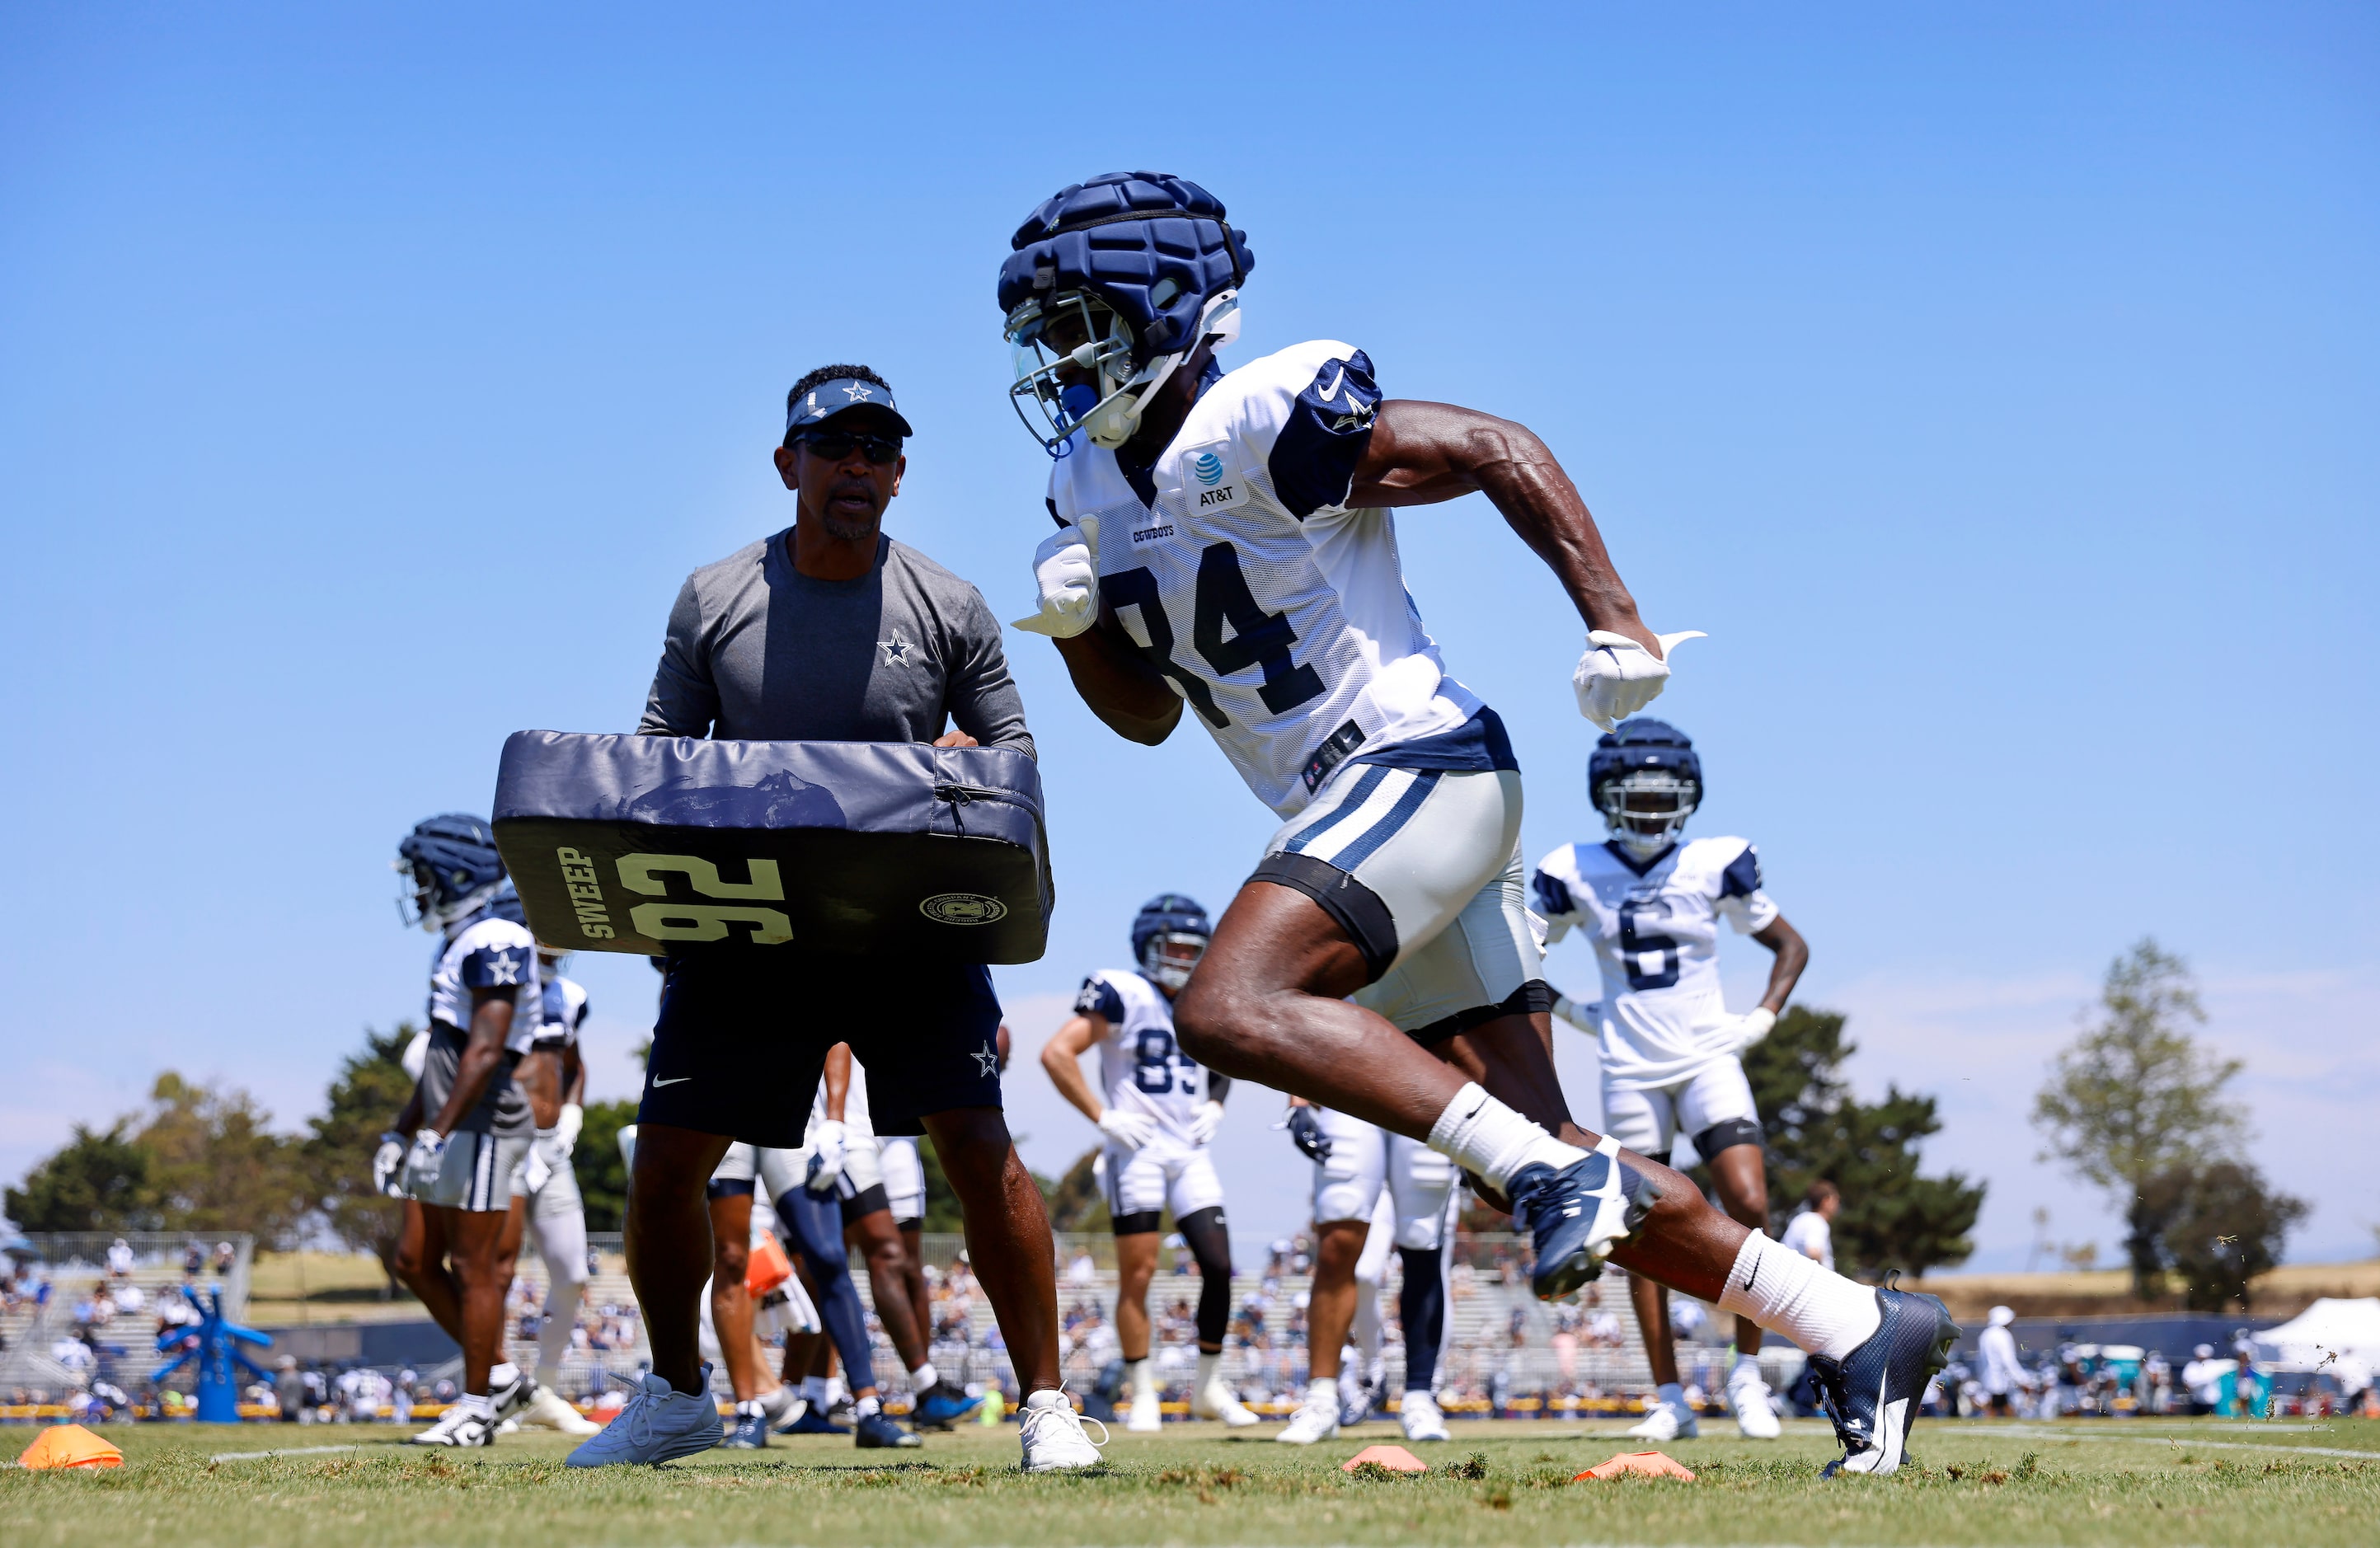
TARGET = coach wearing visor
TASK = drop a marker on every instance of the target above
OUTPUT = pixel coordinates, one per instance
(827, 631)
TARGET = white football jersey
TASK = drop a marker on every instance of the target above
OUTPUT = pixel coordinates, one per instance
(488, 952)
(855, 1104)
(564, 1008)
(1141, 1069)
(1656, 935)
(1238, 570)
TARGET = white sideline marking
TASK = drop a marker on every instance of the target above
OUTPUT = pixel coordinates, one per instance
(292, 1451)
(2180, 1444)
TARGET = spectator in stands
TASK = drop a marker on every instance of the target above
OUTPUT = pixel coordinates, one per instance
(119, 1257)
(289, 1390)
(1812, 1232)
(194, 1258)
(2202, 1377)
(2001, 1373)
(225, 1256)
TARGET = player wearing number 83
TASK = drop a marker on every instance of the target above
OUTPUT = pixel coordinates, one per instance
(1225, 540)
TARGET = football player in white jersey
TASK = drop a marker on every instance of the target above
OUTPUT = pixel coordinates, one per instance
(1650, 905)
(554, 1079)
(1227, 541)
(1158, 1110)
(471, 1126)
(1372, 1189)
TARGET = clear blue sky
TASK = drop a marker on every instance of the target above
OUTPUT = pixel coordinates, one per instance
(1995, 384)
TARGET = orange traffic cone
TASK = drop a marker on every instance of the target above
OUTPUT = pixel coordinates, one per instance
(1651, 1464)
(69, 1445)
(1396, 1458)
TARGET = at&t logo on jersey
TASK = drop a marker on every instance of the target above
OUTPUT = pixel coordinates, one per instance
(1209, 468)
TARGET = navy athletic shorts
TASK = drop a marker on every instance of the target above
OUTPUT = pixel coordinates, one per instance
(742, 1038)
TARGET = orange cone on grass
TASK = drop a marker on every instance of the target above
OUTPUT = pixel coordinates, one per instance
(1649, 1464)
(1396, 1458)
(69, 1445)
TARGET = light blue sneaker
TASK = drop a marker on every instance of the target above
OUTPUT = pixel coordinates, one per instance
(659, 1424)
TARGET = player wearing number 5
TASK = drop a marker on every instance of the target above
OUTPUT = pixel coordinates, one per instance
(1158, 1113)
(1650, 905)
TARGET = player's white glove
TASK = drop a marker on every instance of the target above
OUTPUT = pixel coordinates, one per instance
(388, 1163)
(1126, 1127)
(422, 1162)
(829, 1142)
(1068, 576)
(565, 1128)
(1587, 1018)
(1733, 1037)
(1618, 677)
(1205, 1121)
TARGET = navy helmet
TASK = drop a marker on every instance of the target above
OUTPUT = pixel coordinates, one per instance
(1646, 780)
(1169, 935)
(451, 870)
(1109, 285)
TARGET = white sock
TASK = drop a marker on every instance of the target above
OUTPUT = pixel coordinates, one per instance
(1210, 1366)
(776, 1400)
(477, 1403)
(863, 1407)
(924, 1376)
(814, 1391)
(1322, 1392)
(1487, 1137)
(1143, 1379)
(1048, 1397)
(1670, 1392)
(1819, 1309)
(503, 1375)
(1747, 1363)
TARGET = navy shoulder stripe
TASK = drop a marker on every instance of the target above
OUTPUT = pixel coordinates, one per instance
(1313, 458)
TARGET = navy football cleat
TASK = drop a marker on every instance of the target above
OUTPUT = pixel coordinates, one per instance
(1579, 1215)
(1872, 1394)
(940, 1406)
(810, 1421)
(878, 1430)
(747, 1432)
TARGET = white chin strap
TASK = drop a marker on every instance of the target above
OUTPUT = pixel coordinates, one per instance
(1118, 416)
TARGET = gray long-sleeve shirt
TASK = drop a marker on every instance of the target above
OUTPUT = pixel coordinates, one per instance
(758, 651)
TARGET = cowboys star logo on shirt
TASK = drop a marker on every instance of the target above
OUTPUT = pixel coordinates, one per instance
(896, 649)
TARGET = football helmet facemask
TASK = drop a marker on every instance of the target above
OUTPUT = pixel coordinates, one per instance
(1169, 936)
(1073, 357)
(1646, 780)
(448, 870)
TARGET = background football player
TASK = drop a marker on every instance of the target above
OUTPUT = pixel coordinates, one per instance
(1158, 1113)
(1372, 1189)
(554, 1079)
(1227, 541)
(471, 1126)
(1650, 905)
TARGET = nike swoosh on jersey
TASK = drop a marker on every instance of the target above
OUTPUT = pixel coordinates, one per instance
(1332, 391)
(674, 1079)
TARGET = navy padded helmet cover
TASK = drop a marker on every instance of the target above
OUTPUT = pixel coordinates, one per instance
(1117, 236)
(1642, 743)
(459, 849)
(1167, 910)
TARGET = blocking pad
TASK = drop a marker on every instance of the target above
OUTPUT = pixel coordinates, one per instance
(636, 844)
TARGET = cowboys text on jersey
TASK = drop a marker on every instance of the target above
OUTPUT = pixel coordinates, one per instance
(1656, 938)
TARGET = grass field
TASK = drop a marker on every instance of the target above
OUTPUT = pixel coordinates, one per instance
(2144, 1481)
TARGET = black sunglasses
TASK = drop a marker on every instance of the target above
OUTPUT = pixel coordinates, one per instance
(835, 445)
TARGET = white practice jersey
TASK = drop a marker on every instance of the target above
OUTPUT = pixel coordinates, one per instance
(488, 952)
(1238, 570)
(855, 1104)
(1141, 1069)
(1656, 938)
(564, 1008)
